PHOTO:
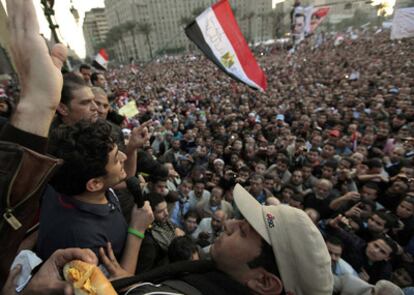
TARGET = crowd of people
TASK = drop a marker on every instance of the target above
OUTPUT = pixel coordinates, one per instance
(332, 137)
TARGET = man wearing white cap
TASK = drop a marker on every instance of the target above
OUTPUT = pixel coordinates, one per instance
(275, 250)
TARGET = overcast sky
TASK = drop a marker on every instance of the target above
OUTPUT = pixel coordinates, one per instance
(70, 31)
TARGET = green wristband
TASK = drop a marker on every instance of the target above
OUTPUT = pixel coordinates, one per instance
(136, 233)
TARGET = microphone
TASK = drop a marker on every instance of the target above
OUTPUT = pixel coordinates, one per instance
(135, 189)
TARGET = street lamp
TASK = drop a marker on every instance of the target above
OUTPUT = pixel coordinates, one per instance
(49, 12)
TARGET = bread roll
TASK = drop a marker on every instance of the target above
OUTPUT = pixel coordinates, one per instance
(87, 279)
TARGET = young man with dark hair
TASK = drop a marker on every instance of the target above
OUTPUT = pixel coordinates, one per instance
(183, 249)
(190, 223)
(405, 212)
(98, 80)
(86, 71)
(83, 209)
(370, 259)
(339, 266)
(297, 246)
(154, 249)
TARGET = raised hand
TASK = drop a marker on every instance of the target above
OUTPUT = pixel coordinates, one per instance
(39, 72)
(140, 136)
(111, 263)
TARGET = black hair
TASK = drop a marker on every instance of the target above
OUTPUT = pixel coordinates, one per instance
(192, 213)
(391, 243)
(71, 82)
(155, 199)
(94, 77)
(84, 66)
(314, 150)
(181, 249)
(334, 240)
(331, 164)
(289, 186)
(84, 148)
(350, 161)
(390, 219)
(374, 163)
(372, 185)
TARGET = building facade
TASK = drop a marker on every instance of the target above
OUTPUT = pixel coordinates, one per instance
(141, 29)
(95, 28)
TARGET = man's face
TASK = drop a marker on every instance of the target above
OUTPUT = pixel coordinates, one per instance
(287, 193)
(256, 186)
(190, 224)
(161, 212)
(100, 81)
(405, 210)
(86, 74)
(4, 107)
(237, 245)
(335, 251)
(269, 183)
(281, 166)
(322, 190)
(260, 169)
(376, 224)
(217, 220)
(398, 187)
(176, 145)
(401, 278)
(102, 104)
(198, 189)
(297, 177)
(316, 141)
(185, 188)
(327, 172)
(378, 250)
(306, 172)
(216, 197)
(115, 168)
(312, 156)
(81, 107)
(328, 151)
(368, 193)
(160, 187)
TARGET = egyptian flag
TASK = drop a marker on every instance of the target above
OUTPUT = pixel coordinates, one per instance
(101, 60)
(218, 35)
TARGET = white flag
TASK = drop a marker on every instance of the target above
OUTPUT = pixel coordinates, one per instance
(403, 23)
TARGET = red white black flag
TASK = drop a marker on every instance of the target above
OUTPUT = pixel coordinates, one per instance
(101, 60)
(218, 36)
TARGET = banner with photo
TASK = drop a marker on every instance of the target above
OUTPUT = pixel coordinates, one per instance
(403, 23)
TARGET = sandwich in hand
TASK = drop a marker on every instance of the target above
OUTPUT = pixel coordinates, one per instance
(87, 279)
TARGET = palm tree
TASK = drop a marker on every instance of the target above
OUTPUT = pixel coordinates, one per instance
(276, 23)
(263, 17)
(130, 27)
(112, 40)
(146, 29)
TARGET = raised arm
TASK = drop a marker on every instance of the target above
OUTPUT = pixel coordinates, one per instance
(39, 72)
